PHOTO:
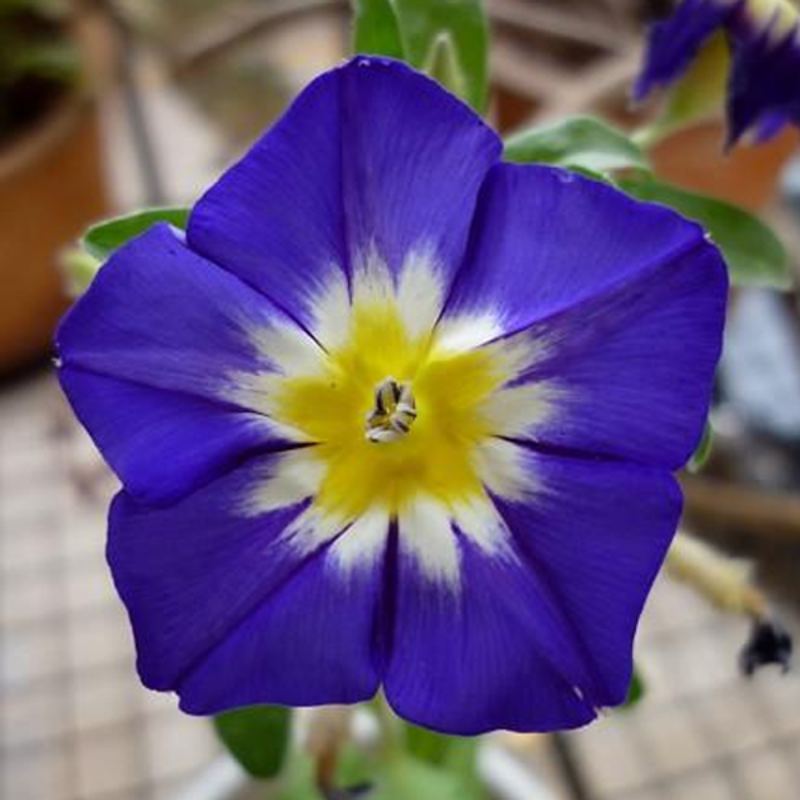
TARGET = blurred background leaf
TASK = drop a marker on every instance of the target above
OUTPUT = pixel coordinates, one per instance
(257, 737)
(375, 29)
(703, 451)
(102, 239)
(636, 690)
(753, 253)
(424, 24)
(584, 143)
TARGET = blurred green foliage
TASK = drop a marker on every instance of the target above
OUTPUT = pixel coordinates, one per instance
(102, 239)
(257, 737)
(448, 38)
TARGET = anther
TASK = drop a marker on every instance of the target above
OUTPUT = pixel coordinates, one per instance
(393, 413)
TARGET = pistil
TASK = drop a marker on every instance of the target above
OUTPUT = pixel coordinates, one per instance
(393, 413)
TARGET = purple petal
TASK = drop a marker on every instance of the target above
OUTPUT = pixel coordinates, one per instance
(370, 156)
(539, 637)
(146, 361)
(596, 535)
(546, 239)
(764, 90)
(630, 371)
(493, 653)
(162, 444)
(233, 603)
(674, 43)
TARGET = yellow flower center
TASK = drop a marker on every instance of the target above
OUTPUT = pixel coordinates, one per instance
(380, 441)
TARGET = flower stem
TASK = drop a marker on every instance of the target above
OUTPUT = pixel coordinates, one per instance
(723, 581)
(391, 733)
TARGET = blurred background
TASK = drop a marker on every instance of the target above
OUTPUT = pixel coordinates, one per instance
(108, 106)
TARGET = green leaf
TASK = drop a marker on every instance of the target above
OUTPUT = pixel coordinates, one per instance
(103, 239)
(257, 737)
(406, 777)
(703, 451)
(443, 65)
(453, 755)
(375, 29)
(423, 23)
(753, 253)
(582, 143)
(426, 745)
(636, 691)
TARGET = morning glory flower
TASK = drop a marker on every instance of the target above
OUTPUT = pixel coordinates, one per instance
(763, 37)
(395, 414)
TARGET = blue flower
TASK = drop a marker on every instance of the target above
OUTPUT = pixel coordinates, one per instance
(393, 413)
(763, 38)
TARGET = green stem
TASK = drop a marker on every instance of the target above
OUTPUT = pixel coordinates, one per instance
(391, 733)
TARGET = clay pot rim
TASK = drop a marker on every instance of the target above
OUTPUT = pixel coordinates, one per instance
(45, 135)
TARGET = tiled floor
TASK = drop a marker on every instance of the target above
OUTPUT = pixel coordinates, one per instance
(702, 731)
(76, 725)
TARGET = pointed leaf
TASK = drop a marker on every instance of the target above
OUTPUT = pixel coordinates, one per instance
(102, 239)
(422, 22)
(636, 691)
(375, 29)
(703, 451)
(443, 65)
(581, 143)
(257, 737)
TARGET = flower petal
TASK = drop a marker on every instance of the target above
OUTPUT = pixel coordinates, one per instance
(151, 359)
(234, 600)
(546, 239)
(630, 301)
(372, 157)
(763, 92)
(675, 42)
(540, 636)
(596, 535)
(481, 649)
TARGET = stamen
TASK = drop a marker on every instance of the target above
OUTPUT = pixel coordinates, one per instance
(393, 414)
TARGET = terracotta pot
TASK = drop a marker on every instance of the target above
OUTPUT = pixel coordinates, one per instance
(748, 175)
(51, 187)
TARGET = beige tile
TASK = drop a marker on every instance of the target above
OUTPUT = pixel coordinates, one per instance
(674, 607)
(735, 722)
(101, 640)
(708, 785)
(768, 776)
(780, 695)
(83, 537)
(22, 548)
(38, 774)
(671, 739)
(109, 761)
(30, 655)
(704, 660)
(31, 596)
(105, 698)
(178, 744)
(605, 750)
(34, 715)
(89, 587)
